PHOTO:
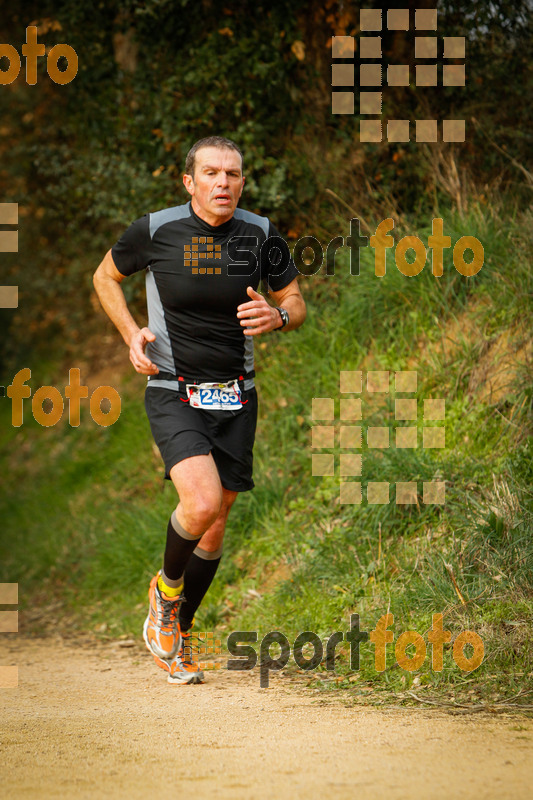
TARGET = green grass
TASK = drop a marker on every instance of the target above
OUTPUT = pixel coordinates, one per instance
(85, 510)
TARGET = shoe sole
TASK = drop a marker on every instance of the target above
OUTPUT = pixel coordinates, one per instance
(197, 678)
(163, 663)
(153, 649)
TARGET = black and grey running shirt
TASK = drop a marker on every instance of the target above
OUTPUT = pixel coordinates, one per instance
(196, 276)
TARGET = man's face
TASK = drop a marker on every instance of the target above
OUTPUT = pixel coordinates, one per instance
(217, 184)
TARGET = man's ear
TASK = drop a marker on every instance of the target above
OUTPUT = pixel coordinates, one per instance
(188, 182)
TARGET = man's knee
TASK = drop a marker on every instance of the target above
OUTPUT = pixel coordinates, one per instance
(201, 512)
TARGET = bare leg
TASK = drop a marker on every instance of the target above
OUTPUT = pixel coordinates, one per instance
(212, 538)
(200, 493)
(203, 563)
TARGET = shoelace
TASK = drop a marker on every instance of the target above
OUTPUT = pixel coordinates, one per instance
(186, 654)
(169, 611)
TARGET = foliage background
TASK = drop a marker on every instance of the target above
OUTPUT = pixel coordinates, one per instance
(86, 158)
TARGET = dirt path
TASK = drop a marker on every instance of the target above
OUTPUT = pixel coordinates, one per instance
(100, 721)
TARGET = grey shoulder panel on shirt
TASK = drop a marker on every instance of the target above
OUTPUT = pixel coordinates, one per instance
(253, 219)
(158, 218)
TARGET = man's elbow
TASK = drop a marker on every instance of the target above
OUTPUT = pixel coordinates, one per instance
(299, 314)
(106, 274)
(303, 311)
(97, 279)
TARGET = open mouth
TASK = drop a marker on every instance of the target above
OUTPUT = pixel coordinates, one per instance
(222, 199)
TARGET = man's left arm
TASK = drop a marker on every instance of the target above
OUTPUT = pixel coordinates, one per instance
(258, 316)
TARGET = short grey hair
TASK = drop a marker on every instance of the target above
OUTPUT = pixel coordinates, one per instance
(209, 141)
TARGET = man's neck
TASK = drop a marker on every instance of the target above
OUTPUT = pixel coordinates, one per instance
(212, 219)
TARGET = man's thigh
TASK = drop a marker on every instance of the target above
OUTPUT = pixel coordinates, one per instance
(233, 442)
(179, 431)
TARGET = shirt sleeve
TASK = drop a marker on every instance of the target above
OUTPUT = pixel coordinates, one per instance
(132, 251)
(277, 267)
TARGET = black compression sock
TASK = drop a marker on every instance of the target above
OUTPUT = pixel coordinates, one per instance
(178, 550)
(199, 574)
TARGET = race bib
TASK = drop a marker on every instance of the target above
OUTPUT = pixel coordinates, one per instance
(215, 396)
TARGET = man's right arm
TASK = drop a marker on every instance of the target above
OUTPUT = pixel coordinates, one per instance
(107, 280)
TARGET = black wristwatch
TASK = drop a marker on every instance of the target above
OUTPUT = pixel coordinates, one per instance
(284, 317)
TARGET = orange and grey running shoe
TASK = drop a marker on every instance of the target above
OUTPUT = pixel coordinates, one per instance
(161, 629)
(182, 669)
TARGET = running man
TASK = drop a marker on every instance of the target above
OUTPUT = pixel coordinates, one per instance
(204, 261)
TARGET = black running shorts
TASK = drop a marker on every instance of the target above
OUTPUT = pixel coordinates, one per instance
(181, 431)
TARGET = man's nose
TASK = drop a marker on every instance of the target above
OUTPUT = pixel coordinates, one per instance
(223, 178)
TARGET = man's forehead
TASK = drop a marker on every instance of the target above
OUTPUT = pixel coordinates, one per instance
(220, 157)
